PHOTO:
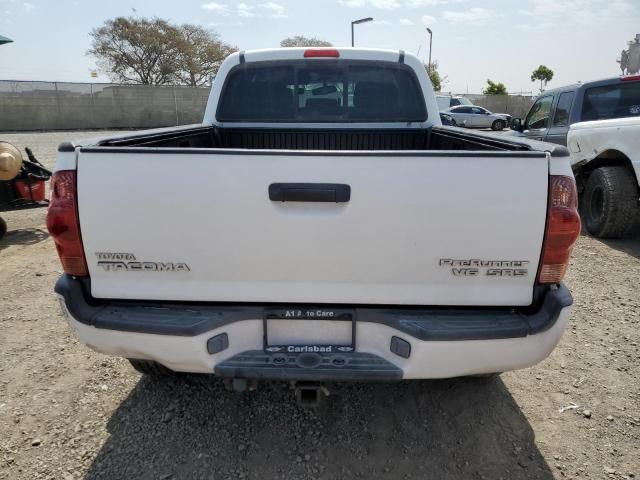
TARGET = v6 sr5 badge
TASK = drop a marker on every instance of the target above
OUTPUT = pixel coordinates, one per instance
(474, 267)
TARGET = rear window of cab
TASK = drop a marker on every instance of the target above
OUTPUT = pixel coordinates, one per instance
(612, 101)
(317, 91)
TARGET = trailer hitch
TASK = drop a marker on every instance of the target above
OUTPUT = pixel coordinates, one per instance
(310, 394)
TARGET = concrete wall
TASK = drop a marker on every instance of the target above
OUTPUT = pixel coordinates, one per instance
(28, 106)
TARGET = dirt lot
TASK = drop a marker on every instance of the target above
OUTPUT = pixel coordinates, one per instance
(67, 412)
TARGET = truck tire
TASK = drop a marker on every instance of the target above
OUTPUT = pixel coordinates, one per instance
(3, 228)
(498, 125)
(148, 367)
(611, 203)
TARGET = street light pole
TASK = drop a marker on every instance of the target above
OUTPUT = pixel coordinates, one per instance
(356, 22)
(430, 44)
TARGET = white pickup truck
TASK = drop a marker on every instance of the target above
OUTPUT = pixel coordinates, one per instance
(605, 157)
(320, 225)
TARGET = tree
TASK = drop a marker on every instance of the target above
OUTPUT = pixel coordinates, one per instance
(495, 88)
(156, 52)
(544, 74)
(300, 41)
(136, 50)
(200, 54)
(436, 79)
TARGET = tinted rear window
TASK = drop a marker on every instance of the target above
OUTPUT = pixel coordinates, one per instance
(313, 91)
(611, 101)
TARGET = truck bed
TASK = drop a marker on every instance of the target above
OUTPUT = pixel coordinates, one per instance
(435, 138)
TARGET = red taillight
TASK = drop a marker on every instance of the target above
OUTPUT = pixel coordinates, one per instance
(563, 229)
(630, 78)
(322, 52)
(64, 225)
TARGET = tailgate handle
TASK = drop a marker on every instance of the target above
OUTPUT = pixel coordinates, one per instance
(309, 192)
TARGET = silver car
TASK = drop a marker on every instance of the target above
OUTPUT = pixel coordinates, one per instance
(472, 116)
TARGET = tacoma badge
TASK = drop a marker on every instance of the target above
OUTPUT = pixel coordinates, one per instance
(126, 262)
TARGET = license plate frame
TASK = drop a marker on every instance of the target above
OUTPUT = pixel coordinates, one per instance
(304, 313)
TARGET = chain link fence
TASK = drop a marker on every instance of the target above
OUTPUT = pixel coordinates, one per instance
(29, 106)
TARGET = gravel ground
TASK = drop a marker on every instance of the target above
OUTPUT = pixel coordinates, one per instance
(67, 412)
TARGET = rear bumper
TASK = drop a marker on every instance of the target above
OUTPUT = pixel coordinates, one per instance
(443, 343)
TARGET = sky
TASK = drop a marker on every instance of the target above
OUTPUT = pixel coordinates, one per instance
(501, 40)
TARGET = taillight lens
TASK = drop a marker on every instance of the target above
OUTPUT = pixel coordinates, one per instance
(563, 229)
(64, 225)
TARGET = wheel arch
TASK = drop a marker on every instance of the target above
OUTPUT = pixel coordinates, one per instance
(608, 158)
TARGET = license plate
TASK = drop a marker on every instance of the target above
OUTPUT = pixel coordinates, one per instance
(299, 330)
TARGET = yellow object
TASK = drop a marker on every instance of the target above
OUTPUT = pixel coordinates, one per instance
(10, 161)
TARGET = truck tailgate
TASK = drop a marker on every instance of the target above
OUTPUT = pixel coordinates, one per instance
(430, 228)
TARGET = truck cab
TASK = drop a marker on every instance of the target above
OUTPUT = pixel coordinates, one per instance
(554, 111)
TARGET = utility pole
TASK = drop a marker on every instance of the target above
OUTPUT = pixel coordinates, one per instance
(357, 22)
(430, 44)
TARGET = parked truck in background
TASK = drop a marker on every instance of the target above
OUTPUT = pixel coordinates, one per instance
(319, 225)
(447, 101)
(599, 121)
